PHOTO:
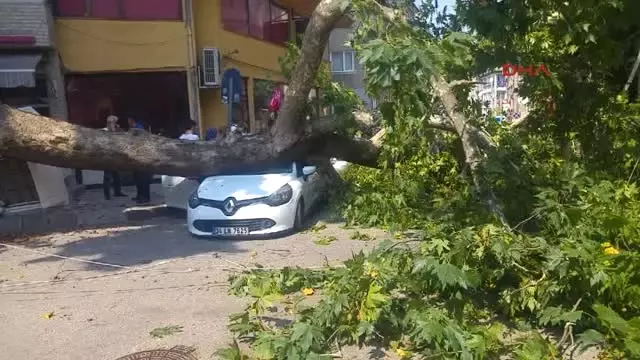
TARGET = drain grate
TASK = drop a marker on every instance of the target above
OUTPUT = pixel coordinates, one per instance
(175, 353)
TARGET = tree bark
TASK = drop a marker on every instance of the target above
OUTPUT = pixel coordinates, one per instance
(473, 141)
(290, 125)
(42, 140)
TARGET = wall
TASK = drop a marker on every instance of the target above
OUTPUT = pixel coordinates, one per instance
(354, 80)
(25, 17)
(88, 45)
(255, 59)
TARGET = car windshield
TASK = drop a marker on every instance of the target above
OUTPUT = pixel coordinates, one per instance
(260, 170)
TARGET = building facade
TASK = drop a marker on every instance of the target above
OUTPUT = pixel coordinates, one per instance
(345, 67)
(31, 79)
(164, 60)
(498, 93)
(82, 60)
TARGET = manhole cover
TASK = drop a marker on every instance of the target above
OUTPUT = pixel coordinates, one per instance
(176, 353)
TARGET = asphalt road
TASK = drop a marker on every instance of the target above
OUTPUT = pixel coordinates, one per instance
(75, 306)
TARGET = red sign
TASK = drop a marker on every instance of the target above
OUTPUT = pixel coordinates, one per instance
(511, 70)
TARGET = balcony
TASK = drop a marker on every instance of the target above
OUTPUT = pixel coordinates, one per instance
(300, 7)
(304, 9)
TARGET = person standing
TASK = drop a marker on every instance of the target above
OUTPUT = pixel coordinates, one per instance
(188, 133)
(211, 134)
(112, 178)
(142, 179)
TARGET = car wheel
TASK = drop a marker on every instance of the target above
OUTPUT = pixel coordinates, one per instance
(299, 220)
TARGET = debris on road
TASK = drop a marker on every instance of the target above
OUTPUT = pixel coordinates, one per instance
(169, 330)
(325, 240)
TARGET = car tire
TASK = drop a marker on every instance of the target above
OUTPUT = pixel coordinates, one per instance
(298, 222)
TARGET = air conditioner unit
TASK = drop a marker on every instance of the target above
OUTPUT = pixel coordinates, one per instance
(210, 68)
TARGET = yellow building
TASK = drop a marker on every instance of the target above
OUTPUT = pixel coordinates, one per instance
(155, 58)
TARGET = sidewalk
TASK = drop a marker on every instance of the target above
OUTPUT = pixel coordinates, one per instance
(89, 209)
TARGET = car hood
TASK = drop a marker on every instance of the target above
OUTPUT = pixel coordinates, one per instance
(242, 187)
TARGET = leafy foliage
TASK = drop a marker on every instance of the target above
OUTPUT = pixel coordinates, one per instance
(470, 287)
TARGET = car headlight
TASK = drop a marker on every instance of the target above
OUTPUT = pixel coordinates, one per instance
(194, 200)
(281, 196)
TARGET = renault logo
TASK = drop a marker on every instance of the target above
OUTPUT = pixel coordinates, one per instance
(229, 205)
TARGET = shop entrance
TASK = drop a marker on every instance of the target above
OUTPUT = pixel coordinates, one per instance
(159, 100)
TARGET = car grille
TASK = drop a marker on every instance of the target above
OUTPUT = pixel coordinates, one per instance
(252, 224)
(219, 204)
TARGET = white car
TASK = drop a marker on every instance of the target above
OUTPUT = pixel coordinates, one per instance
(178, 189)
(261, 201)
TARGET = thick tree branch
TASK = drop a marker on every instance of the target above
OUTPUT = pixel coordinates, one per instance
(290, 126)
(520, 121)
(39, 139)
(441, 123)
(473, 140)
(455, 83)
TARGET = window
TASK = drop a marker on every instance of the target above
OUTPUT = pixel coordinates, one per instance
(259, 15)
(501, 80)
(121, 9)
(261, 19)
(235, 16)
(342, 61)
(72, 7)
(105, 9)
(278, 25)
(301, 23)
(152, 9)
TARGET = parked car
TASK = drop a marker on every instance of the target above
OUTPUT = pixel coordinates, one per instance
(258, 201)
(178, 189)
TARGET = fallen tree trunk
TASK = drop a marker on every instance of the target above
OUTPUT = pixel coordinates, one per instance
(39, 139)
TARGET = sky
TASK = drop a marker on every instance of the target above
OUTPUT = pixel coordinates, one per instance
(441, 4)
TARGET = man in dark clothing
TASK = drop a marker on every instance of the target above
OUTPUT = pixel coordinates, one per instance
(112, 177)
(142, 180)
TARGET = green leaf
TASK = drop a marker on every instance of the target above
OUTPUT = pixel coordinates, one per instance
(302, 334)
(232, 352)
(449, 274)
(611, 319)
(632, 346)
(589, 339)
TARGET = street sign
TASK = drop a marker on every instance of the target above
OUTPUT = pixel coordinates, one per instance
(231, 86)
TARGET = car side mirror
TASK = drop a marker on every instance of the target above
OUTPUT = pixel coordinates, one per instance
(308, 170)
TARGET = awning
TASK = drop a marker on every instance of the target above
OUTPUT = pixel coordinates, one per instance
(18, 70)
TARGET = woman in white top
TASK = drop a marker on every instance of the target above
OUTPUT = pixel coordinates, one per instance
(188, 134)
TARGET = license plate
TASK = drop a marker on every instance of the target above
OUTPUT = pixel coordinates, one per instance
(231, 231)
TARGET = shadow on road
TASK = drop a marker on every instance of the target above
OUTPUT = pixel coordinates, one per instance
(141, 243)
(128, 246)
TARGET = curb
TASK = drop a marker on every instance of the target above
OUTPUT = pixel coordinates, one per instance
(150, 212)
(43, 221)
